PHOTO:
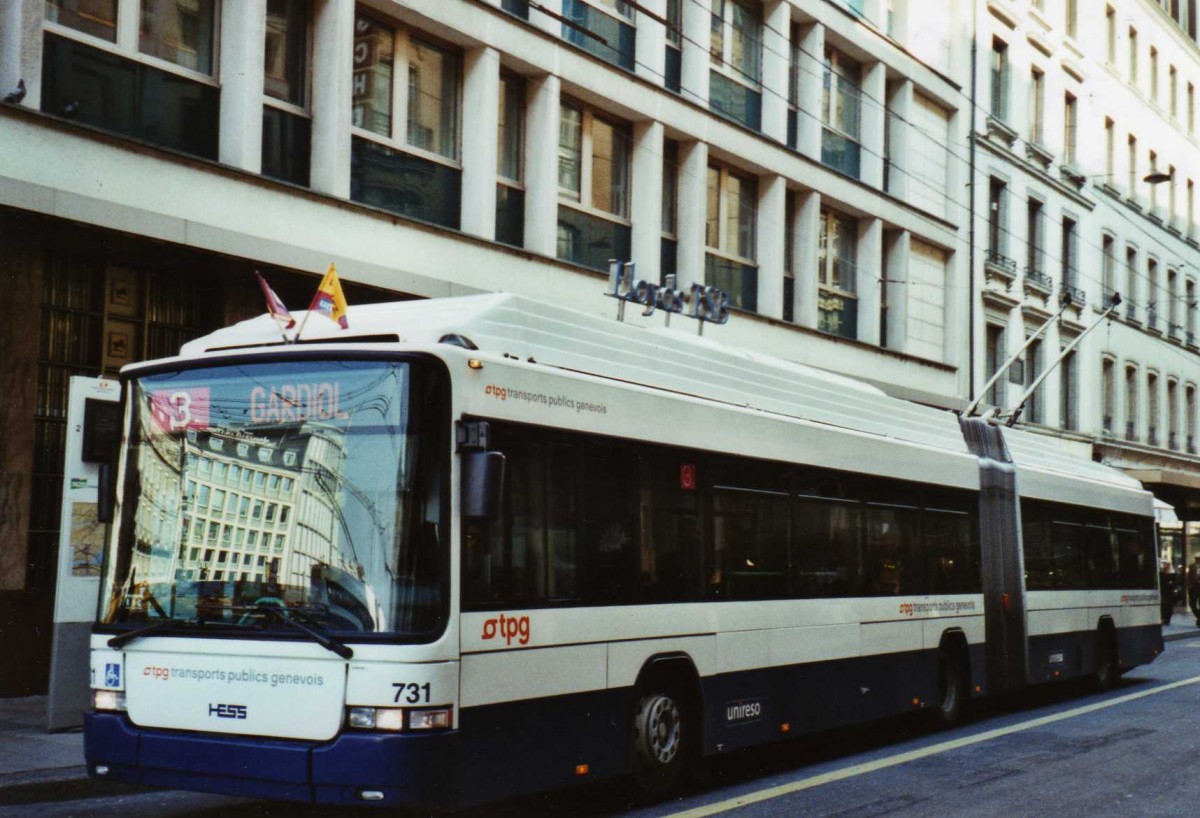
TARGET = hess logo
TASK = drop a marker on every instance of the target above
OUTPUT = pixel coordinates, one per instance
(227, 711)
(507, 628)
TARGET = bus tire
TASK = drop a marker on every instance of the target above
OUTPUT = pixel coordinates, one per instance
(1108, 666)
(660, 741)
(953, 688)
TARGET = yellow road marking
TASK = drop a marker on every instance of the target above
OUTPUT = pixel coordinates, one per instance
(914, 755)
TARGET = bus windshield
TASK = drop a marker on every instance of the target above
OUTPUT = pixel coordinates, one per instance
(303, 486)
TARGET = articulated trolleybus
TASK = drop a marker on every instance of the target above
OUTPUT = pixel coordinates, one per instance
(480, 546)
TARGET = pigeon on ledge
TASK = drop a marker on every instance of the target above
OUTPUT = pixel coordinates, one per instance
(17, 94)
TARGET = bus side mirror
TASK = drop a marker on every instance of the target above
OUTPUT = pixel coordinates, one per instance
(483, 485)
(106, 493)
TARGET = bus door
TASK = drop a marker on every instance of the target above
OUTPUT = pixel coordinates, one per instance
(1003, 568)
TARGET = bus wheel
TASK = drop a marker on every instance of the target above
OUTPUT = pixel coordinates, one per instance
(658, 743)
(952, 689)
(1108, 669)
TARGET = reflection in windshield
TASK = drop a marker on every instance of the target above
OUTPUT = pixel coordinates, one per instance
(293, 485)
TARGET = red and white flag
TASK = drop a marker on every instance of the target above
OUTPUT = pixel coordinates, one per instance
(274, 306)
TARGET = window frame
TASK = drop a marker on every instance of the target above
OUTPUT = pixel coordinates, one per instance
(302, 110)
(126, 42)
(584, 202)
(403, 41)
(724, 173)
(723, 63)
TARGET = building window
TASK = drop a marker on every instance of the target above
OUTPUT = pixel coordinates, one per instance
(1110, 151)
(1071, 18)
(1070, 259)
(1131, 292)
(1173, 91)
(179, 31)
(95, 17)
(1110, 22)
(1153, 74)
(1152, 294)
(1131, 402)
(287, 127)
(1109, 259)
(789, 257)
(1068, 393)
(1131, 185)
(510, 138)
(412, 170)
(426, 79)
(1189, 304)
(159, 87)
(1070, 128)
(1152, 408)
(1173, 414)
(1037, 105)
(1191, 209)
(735, 51)
(673, 71)
(1108, 398)
(1190, 419)
(999, 77)
(1033, 369)
(837, 271)
(1173, 328)
(1191, 109)
(669, 254)
(729, 236)
(593, 187)
(603, 28)
(997, 220)
(1133, 56)
(1154, 188)
(841, 113)
(994, 359)
(1035, 230)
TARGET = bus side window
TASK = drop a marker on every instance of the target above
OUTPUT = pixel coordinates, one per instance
(1040, 573)
(825, 548)
(608, 565)
(671, 553)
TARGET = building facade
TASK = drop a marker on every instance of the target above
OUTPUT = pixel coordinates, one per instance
(806, 156)
(1087, 156)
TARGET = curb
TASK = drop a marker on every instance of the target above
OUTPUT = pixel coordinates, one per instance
(1175, 637)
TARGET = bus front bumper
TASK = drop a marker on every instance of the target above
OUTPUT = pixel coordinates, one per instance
(402, 769)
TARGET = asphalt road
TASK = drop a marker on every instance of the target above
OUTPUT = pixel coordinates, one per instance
(1060, 751)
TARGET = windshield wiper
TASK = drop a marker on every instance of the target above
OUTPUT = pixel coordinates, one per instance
(327, 642)
(124, 638)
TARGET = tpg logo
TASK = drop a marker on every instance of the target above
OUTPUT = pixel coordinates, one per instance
(227, 711)
(507, 627)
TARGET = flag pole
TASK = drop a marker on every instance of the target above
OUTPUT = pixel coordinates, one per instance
(273, 304)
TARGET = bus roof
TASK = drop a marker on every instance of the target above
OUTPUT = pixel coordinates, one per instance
(507, 326)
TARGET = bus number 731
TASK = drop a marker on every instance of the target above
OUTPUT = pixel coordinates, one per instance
(413, 690)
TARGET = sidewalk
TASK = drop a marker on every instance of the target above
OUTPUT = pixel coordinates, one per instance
(36, 765)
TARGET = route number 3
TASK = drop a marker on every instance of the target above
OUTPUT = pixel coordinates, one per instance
(181, 402)
(411, 692)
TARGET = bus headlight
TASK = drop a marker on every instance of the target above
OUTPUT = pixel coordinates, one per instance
(394, 719)
(112, 700)
(429, 719)
(375, 718)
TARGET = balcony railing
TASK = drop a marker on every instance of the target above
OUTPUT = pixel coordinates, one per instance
(1152, 436)
(1191, 444)
(1038, 280)
(1173, 441)
(1131, 312)
(1130, 431)
(1078, 296)
(999, 263)
(1175, 332)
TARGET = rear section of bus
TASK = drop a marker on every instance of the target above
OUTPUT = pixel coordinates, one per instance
(274, 616)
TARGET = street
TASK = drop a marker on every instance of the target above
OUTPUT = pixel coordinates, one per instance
(1062, 751)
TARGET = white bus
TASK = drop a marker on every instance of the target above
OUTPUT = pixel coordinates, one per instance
(480, 546)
